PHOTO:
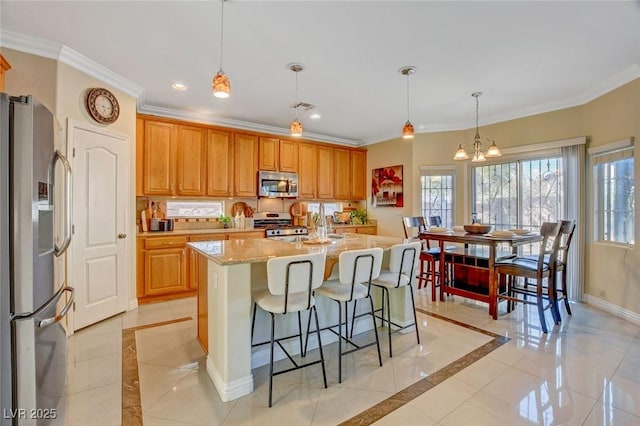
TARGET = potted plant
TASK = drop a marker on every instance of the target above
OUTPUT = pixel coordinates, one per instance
(359, 217)
(225, 221)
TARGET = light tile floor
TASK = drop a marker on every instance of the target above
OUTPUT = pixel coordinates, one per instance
(585, 371)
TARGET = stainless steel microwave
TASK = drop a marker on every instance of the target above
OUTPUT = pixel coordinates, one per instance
(277, 184)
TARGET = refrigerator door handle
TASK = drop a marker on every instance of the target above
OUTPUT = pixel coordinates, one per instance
(53, 300)
(58, 156)
(52, 320)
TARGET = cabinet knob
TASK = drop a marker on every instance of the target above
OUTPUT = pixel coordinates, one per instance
(122, 236)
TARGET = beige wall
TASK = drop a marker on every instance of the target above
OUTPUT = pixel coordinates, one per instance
(31, 75)
(612, 273)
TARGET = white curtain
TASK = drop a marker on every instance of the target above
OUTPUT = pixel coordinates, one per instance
(573, 158)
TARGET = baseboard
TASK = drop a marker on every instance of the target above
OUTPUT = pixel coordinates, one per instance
(229, 391)
(615, 310)
(133, 304)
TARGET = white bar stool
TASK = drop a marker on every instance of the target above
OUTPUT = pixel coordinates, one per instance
(402, 262)
(357, 269)
(291, 282)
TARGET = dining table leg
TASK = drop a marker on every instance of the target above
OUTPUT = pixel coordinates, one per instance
(493, 283)
(441, 266)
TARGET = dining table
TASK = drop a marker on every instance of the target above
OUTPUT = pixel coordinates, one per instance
(467, 253)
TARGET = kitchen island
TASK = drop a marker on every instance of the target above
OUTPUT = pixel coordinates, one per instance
(234, 270)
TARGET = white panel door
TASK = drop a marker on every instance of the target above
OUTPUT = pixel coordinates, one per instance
(99, 268)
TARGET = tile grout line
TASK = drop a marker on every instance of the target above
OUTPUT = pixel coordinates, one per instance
(397, 400)
(131, 402)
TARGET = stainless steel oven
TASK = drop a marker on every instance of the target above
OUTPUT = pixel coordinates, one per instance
(277, 184)
(277, 225)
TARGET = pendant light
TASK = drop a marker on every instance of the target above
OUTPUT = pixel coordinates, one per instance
(221, 85)
(478, 155)
(296, 125)
(407, 130)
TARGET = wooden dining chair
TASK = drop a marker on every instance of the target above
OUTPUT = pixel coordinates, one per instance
(413, 226)
(567, 227)
(541, 268)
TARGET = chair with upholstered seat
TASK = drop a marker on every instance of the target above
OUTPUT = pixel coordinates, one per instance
(567, 227)
(413, 226)
(541, 268)
(357, 270)
(291, 282)
(402, 262)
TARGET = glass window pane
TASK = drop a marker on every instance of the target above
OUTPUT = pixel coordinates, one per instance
(437, 195)
(615, 201)
(195, 209)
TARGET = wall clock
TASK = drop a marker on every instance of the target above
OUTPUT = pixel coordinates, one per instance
(102, 105)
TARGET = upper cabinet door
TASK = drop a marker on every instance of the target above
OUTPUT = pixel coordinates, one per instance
(343, 174)
(358, 175)
(219, 163)
(326, 172)
(288, 156)
(269, 154)
(191, 160)
(245, 165)
(139, 156)
(307, 177)
(159, 151)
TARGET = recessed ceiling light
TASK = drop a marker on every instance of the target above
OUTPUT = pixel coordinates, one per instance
(179, 86)
(315, 116)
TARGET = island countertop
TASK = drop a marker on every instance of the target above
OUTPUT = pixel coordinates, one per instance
(230, 252)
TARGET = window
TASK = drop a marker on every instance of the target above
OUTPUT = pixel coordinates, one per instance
(614, 198)
(329, 208)
(193, 209)
(437, 189)
(519, 194)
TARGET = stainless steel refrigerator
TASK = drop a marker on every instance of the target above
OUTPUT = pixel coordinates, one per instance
(32, 339)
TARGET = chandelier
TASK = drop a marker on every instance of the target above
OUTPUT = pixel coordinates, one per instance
(478, 155)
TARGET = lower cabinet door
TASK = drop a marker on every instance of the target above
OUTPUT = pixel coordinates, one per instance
(165, 271)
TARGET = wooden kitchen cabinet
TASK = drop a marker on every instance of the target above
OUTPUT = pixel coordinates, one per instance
(325, 172)
(245, 165)
(139, 156)
(307, 174)
(173, 158)
(159, 154)
(191, 175)
(278, 155)
(350, 176)
(343, 174)
(164, 263)
(219, 163)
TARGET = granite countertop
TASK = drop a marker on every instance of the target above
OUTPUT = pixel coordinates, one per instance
(347, 225)
(230, 252)
(177, 232)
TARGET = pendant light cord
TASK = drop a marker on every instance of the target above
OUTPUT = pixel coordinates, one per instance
(408, 74)
(296, 106)
(221, 30)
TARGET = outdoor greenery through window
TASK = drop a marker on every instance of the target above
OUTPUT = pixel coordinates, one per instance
(519, 194)
(437, 194)
(614, 198)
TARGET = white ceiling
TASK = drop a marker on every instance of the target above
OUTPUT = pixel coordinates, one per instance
(527, 57)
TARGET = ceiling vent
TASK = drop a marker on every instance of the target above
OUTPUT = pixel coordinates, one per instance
(303, 106)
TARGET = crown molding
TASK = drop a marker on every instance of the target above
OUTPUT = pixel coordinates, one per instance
(237, 124)
(68, 56)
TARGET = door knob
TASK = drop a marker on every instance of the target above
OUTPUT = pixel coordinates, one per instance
(122, 236)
